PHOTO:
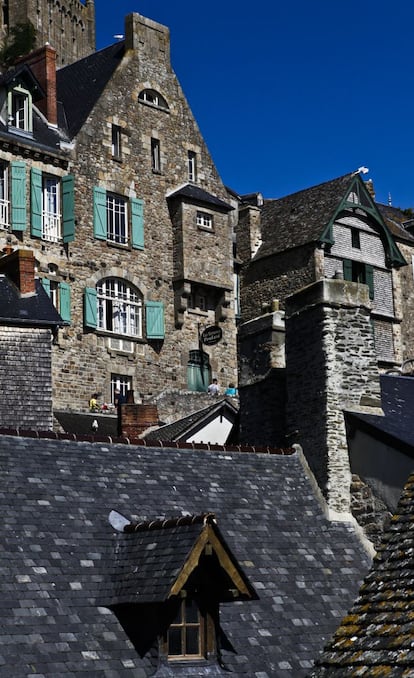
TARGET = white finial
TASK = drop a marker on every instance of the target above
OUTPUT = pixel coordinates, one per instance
(362, 170)
(389, 200)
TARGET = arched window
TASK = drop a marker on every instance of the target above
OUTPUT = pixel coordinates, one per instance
(154, 98)
(119, 307)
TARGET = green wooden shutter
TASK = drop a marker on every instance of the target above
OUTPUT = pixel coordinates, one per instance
(99, 213)
(64, 306)
(68, 208)
(46, 285)
(137, 223)
(36, 202)
(155, 319)
(347, 269)
(369, 279)
(18, 195)
(90, 315)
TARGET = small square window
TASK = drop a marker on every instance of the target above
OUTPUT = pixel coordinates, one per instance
(20, 109)
(205, 220)
(116, 142)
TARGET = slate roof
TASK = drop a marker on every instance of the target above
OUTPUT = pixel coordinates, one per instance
(79, 85)
(376, 637)
(34, 310)
(299, 218)
(397, 222)
(396, 426)
(180, 429)
(56, 544)
(197, 194)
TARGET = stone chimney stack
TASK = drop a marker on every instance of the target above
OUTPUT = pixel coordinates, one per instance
(19, 266)
(149, 39)
(42, 63)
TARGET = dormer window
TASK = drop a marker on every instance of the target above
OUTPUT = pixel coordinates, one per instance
(20, 109)
(186, 637)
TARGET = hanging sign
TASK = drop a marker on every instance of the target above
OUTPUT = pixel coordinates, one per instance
(211, 335)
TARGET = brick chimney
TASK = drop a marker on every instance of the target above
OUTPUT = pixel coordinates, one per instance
(135, 418)
(19, 267)
(42, 63)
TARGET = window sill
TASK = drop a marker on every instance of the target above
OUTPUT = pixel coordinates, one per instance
(119, 246)
(197, 311)
(206, 229)
(117, 158)
(158, 172)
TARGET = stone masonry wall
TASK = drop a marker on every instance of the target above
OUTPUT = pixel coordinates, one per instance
(331, 366)
(275, 277)
(25, 375)
(83, 359)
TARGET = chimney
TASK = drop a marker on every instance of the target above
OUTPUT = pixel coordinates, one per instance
(135, 418)
(19, 267)
(42, 63)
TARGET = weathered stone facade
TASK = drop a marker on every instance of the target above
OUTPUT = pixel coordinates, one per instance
(330, 367)
(182, 266)
(25, 377)
(69, 26)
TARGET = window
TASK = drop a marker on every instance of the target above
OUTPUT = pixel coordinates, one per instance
(355, 238)
(185, 636)
(4, 195)
(119, 307)
(156, 155)
(205, 220)
(20, 109)
(51, 216)
(360, 273)
(59, 293)
(197, 301)
(121, 383)
(153, 98)
(52, 207)
(198, 371)
(117, 219)
(192, 166)
(116, 142)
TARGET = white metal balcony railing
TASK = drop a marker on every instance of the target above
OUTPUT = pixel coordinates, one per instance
(4, 213)
(51, 226)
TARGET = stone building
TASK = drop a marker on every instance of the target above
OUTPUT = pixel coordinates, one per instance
(69, 26)
(331, 230)
(107, 180)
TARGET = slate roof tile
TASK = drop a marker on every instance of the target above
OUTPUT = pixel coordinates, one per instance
(55, 500)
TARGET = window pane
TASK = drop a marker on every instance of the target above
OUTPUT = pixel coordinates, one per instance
(192, 640)
(174, 642)
(191, 611)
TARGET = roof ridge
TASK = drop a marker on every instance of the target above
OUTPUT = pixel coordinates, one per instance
(165, 523)
(213, 447)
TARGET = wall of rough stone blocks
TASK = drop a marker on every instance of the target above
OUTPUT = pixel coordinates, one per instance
(25, 376)
(175, 250)
(331, 366)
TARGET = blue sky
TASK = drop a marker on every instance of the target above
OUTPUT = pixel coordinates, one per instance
(288, 95)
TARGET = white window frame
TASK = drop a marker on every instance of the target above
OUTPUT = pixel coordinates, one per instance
(51, 208)
(20, 109)
(192, 166)
(119, 308)
(116, 219)
(4, 196)
(204, 220)
(122, 383)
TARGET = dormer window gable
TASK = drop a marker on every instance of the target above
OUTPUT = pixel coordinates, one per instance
(357, 200)
(22, 90)
(169, 578)
(20, 111)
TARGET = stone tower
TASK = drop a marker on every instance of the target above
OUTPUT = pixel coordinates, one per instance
(68, 27)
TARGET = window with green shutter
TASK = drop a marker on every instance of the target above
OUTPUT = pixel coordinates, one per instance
(137, 225)
(68, 208)
(36, 202)
(90, 308)
(155, 319)
(99, 213)
(64, 301)
(18, 195)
